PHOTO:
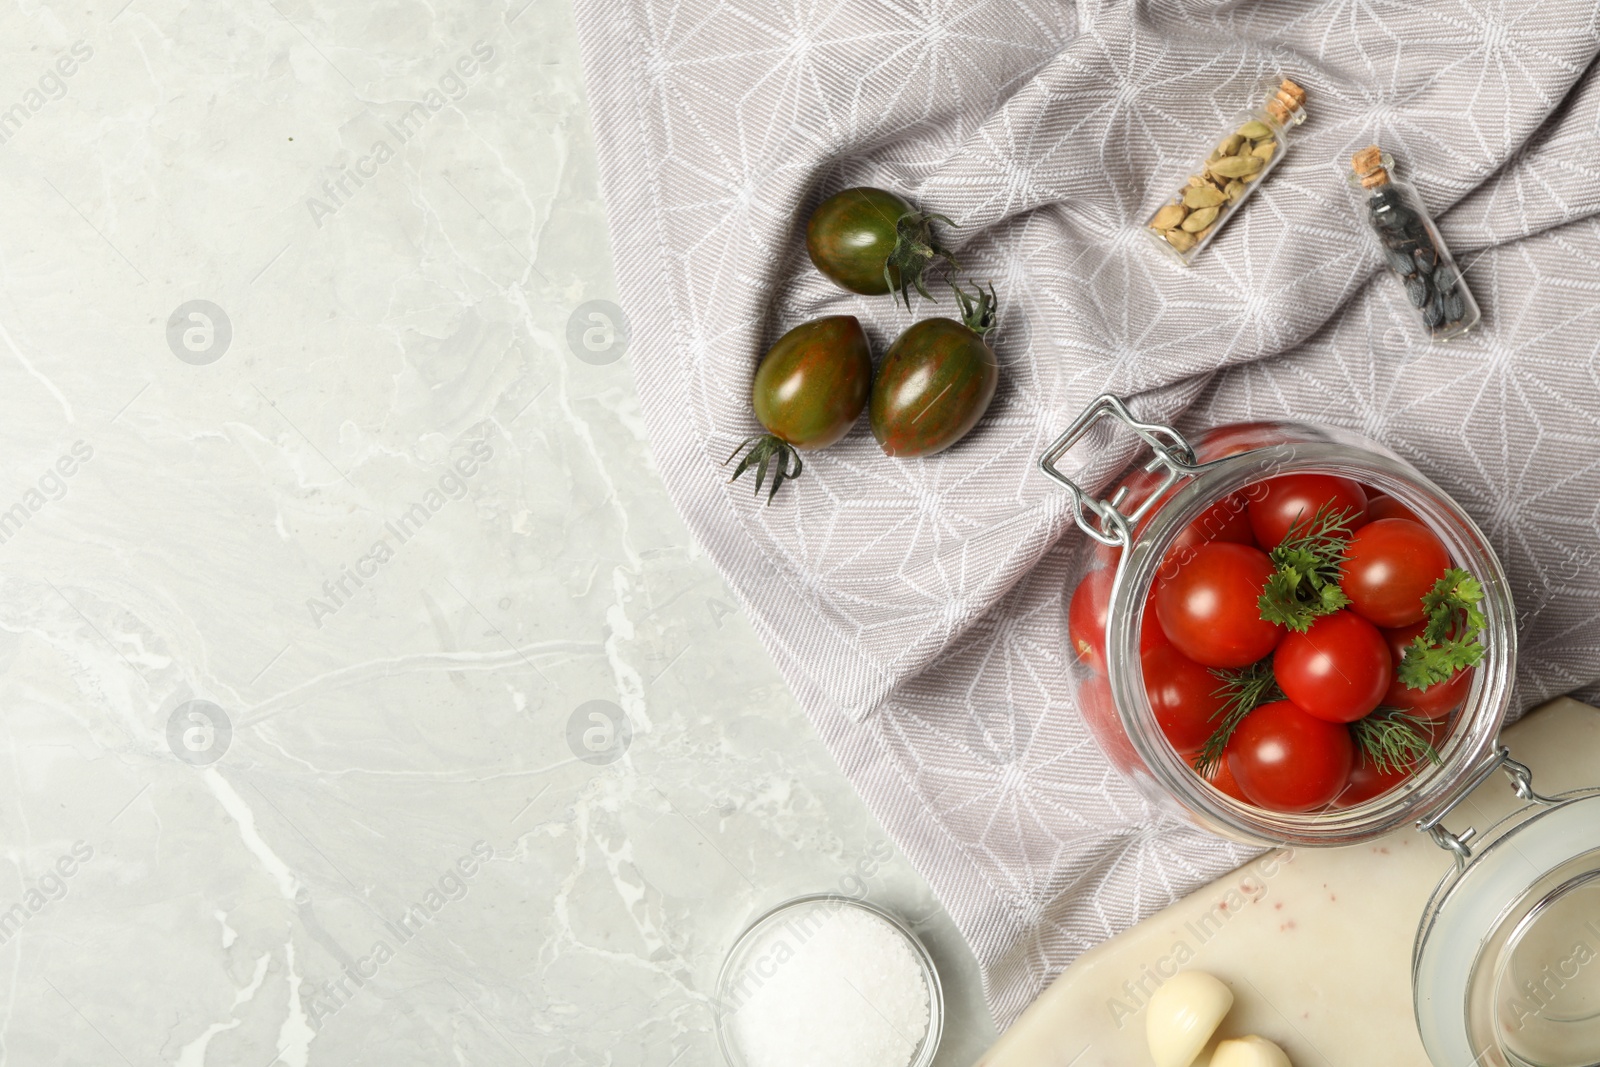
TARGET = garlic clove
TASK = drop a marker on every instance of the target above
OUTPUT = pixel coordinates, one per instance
(1252, 1051)
(1183, 1014)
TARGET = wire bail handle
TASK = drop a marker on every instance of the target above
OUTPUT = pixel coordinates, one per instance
(1115, 528)
(1521, 784)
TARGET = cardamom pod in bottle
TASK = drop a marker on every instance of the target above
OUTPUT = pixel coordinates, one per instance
(1231, 169)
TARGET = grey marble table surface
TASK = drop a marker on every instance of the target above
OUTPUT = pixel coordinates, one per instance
(365, 701)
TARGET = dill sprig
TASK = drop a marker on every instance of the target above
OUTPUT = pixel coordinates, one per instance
(1309, 562)
(1242, 691)
(1393, 739)
(1453, 637)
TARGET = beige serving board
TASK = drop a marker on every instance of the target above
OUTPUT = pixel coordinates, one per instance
(1316, 944)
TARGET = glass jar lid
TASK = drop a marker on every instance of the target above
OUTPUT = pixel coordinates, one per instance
(1506, 969)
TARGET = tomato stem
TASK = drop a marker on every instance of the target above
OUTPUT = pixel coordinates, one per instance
(916, 246)
(763, 449)
(977, 313)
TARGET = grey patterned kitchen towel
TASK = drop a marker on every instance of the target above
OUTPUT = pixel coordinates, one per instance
(915, 606)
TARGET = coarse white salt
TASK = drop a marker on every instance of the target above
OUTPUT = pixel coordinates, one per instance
(827, 983)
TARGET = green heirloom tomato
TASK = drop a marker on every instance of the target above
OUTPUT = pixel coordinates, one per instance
(808, 392)
(936, 381)
(871, 241)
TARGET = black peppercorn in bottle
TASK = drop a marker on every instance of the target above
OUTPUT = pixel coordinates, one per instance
(1413, 249)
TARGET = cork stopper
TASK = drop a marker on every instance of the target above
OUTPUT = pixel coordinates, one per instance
(1286, 102)
(1368, 165)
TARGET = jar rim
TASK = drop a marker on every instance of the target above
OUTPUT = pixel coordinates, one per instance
(1326, 450)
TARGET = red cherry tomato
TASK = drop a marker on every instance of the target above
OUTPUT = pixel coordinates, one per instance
(1151, 635)
(1100, 715)
(1278, 503)
(1209, 609)
(1234, 438)
(1337, 670)
(1437, 700)
(1086, 617)
(1388, 565)
(1367, 781)
(1086, 620)
(1226, 520)
(1183, 695)
(1223, 781)
(1382, 506)
(1286, 760)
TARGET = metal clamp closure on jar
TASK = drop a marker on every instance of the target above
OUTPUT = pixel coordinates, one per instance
(1521, 784)
(1171, 451)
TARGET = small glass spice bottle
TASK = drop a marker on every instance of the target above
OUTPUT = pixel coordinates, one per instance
(1240, 158)
(1413, 249)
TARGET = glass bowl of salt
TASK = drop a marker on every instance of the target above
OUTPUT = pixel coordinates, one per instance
(827, 979)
